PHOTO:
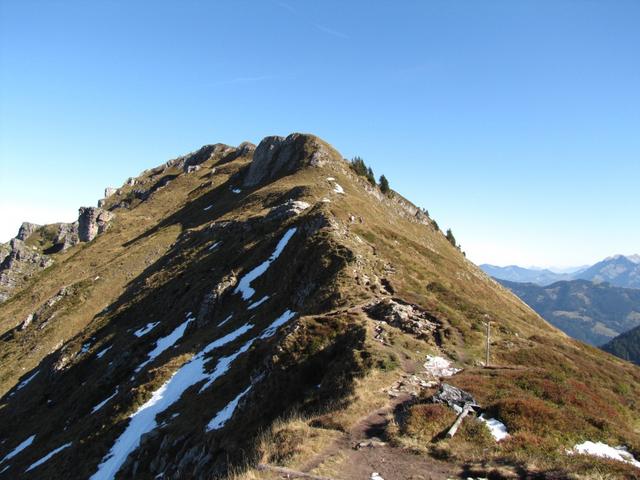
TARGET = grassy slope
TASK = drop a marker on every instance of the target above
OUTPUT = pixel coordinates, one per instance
(154, 264)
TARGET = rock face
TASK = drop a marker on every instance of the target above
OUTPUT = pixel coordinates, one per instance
(211, 299)
(92, 222)
(26, 229)
(276, 156)
(20, 263)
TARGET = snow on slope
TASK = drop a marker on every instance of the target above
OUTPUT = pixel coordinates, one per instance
(244, 285)
(143, 420)
(602, 450)
(18, 449)
(104, 402)
(194, 371)
(48, 456)
(496, 427)
(227, 412)
(165, 342)
(146, 329)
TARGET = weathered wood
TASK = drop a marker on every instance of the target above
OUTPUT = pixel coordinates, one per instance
(289, 473)
(454, 428)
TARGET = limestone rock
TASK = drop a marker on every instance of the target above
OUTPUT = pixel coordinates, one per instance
(109, 191)
(67, 236)
(407, 317)
(92, 222)
(26, 229)
(18, 265)
(276, 156)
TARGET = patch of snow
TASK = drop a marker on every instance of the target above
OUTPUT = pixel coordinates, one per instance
(325, 200)
(5, 469)
(208, 208)
(104, 402)
(226, 413)
(258, 303)
(226, 320)
(440, 367)
(101, 353)
(244, 285)
(223, 365)
(18, 449)
(143, 420)
(146, 329)
(26, 381)
(278, 322)
(48, 456)
(331, 179)
(236, 190)
(85, 347)
(338, 189)
(165, 342)
(496, 427)
(602, 450)
(214, 246)
(376, 476)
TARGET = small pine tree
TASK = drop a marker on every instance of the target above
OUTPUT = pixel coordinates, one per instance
(384, 184)
(371, 177)
(358, 166)
(451, 238)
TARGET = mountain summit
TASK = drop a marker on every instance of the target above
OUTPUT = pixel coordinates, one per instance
(259, 311)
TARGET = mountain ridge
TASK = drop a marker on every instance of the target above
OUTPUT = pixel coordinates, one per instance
(619, 270)
(217, 325)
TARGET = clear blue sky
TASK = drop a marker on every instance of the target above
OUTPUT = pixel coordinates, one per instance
(515, 123)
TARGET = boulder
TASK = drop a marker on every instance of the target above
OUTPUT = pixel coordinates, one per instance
(453, 396)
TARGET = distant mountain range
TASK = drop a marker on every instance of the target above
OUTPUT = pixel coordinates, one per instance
(618, 270)
(592, 312)
(626, 346)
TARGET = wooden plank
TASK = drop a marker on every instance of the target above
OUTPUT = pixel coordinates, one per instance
(454, 428)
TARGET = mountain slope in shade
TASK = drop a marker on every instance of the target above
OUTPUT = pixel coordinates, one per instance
(267, 305)
(626, 346)
(593, 313)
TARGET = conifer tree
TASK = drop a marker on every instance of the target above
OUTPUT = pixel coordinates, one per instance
(384, 184)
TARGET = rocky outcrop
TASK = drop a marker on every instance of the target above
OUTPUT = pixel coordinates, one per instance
(277, 156)
(288, 209)
(67, 236)
(92, 222)
(407, 317)
(211, 299)
(19, 264)
(26, 229)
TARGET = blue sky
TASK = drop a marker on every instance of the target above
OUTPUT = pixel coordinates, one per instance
(515, 123)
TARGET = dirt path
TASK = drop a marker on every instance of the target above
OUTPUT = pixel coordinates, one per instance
(361, 451)
(391, 463)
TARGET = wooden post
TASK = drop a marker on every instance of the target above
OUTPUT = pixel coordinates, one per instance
(486, 362)
(454, 428)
